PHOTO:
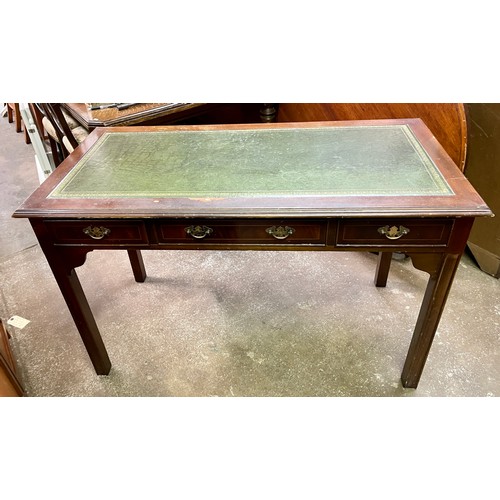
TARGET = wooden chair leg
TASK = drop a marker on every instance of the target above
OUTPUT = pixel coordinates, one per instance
(10, 116)
(17, 116)
(383, 266)
(27, 138)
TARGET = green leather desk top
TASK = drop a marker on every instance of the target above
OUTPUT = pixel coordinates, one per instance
(384, 160)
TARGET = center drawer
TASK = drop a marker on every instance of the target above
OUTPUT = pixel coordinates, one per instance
(242, 232)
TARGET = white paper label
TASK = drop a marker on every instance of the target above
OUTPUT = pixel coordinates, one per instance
(17, 321)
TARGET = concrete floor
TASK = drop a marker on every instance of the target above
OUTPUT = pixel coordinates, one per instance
(236, 323)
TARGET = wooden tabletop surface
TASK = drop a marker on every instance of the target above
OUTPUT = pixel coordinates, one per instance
(387, 167)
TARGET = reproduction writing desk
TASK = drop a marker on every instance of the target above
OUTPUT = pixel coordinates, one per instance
(383, 186)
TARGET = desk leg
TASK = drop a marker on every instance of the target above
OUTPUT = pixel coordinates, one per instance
(442, 268)
(84, 320)
(383, 266)
(137, 264)
(63, 262)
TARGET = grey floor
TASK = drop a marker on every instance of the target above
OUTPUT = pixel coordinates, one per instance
(236, 323)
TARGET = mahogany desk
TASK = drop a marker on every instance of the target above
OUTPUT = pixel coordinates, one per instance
(161, 113)
(383, 186)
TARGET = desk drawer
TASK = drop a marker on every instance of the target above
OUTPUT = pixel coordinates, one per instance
(393, 232)
(243, 232)
(97, 232)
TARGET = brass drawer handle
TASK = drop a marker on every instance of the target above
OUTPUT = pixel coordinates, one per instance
(393, 232)
(96, 232)
(280, 232)
(198, 232)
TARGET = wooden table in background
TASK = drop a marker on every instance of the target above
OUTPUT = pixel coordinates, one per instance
(167, 113)
(160, 113)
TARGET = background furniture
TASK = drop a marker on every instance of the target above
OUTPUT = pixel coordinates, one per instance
(14, 115)
(9, 381)
(137, 114)
(63, 133)
(483, 170)
(169, 113)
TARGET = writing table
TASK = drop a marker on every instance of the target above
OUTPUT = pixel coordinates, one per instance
(383, 186)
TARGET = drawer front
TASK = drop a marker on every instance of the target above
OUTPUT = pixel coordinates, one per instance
(242, 232)
(393, 232)
(98, 232)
